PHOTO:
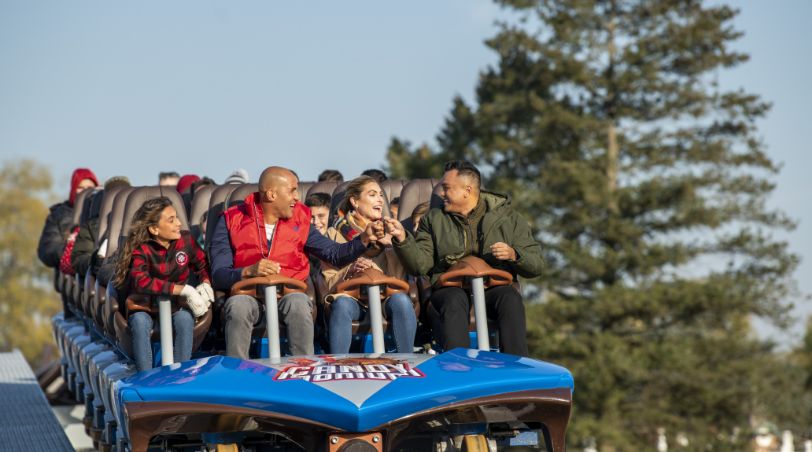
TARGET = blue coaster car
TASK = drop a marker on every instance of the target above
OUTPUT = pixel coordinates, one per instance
(463, 399)
(460, 400)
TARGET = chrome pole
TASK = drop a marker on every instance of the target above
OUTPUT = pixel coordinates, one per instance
(480, 314)
(376, 318)
(165, 319)
(272, 323)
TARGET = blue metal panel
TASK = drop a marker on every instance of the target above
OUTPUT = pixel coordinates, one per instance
(452, 377)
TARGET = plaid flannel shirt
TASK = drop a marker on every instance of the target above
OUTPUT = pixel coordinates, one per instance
(156, 270)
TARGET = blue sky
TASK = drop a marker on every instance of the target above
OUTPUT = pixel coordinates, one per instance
(205, 87)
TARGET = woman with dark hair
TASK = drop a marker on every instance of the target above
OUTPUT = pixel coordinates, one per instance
(364, 203)
(160, 259)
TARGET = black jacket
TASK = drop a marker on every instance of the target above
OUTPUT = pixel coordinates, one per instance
(84, 249)
(55, 234)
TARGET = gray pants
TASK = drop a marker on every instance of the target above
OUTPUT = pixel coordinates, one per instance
(241, 313)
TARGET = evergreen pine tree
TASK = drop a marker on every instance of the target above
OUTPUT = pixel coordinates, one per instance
(646, 182)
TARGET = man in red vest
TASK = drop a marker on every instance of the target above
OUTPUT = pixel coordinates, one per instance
(271, 234)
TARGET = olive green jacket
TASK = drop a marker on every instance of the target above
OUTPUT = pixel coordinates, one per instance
(444, 238)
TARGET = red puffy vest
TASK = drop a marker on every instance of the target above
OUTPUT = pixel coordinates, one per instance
(246, 229)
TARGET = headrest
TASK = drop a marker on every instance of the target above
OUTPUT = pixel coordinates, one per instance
(239, 194)
(216, 202)
(325, 186)
(200, 204)
(80, 203)
(137, 198)
(415, 192)
(393, 187)
(109, 197)
(303, 188)
(116, 219)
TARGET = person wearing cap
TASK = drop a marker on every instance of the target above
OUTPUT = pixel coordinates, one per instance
(184, 187)
(58, 224)
(239, 176)
(472, 222)
(185, 183)
(271, 233)
(85, 254)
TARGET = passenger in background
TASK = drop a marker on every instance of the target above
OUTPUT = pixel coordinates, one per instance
(364, 204)
(417, 214)
(319, 204)
(331, 175)
(376, 174)
(58, 224)
(239, 176)
(184, 187)
(85, 254)
(270, 233)
(394, 206)
(160, 259)
(168, 178)
(185, 183)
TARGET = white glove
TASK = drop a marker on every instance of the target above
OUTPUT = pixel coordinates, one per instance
(103, 249)
(206, 292)
(196, 303)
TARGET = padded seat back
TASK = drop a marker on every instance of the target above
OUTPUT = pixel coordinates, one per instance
(216, 207)
(325, 186)
(303, 188)
(200, 205)
(238, 196)
(105, 211)
(415, 192)
(393, 187)
(116, 220)
(81, 205)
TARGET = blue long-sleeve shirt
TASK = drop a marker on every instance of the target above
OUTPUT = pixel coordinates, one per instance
(224, 275)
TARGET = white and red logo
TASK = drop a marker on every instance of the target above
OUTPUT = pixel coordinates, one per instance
(182, 258)
(332, 369)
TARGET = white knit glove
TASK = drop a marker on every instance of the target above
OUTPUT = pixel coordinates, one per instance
(206, 292)
(196, 303)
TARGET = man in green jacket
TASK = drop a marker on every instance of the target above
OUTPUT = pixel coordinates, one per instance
(471, 222)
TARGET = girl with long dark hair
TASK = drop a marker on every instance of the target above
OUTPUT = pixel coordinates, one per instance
(160, 259)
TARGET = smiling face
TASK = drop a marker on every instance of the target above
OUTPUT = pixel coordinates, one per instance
(369, 203)
(282, 193)
(318, 217)
(457, 192)
(168, 227)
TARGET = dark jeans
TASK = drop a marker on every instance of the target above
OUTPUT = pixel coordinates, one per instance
(141, 328)
(398, 310)
(449, 313)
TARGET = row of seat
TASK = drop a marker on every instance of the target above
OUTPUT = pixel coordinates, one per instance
(92, 332)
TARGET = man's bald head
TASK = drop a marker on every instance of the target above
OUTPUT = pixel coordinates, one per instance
(274, 177)
(278, 188)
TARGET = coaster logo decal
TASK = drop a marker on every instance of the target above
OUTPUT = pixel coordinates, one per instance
(330, 369)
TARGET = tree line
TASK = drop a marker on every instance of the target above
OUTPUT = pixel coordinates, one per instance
(646, 184)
